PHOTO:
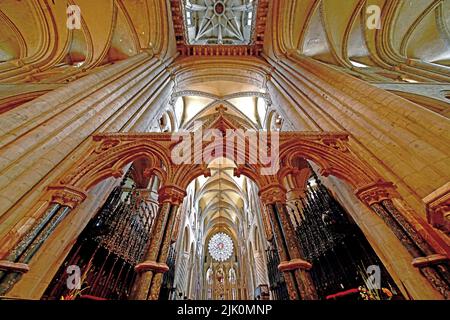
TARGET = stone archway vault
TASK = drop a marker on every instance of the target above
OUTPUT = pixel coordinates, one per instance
(109, 153)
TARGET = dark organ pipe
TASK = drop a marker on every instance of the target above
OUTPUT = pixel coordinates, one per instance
(339, 252)
(109, 248)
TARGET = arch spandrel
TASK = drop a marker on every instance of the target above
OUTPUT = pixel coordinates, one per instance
(111, 152)
(330, 151)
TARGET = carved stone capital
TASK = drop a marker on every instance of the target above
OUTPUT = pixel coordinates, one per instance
(67, 195)
(6, 265)
(157, 267)
(438, 208)
(273, 194)
(171, 194)
(294, 265)
(376, 192)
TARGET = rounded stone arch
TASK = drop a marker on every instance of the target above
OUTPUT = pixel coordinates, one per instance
(109, 159)
(247, 70)
(110, 153)
(333, 159)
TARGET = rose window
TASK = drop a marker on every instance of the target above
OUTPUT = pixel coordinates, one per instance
(220, 247)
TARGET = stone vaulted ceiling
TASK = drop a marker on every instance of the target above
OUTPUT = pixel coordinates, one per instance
(336, 32)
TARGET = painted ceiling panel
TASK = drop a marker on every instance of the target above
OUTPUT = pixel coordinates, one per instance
(99, 17)
(336, 16)
(408, 12)
(315, 43)
(23, 15)
(138, 12)
(78, 47)
(356, 47)
(429, 41)
(123, 44)
(227, 22)
(9, 45)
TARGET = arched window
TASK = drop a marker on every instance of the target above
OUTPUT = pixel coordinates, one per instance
(186, 239)
(256, 240)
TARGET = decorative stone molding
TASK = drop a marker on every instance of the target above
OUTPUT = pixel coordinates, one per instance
(6, 265)
(67, 195)
(430, 260)
(273, 194)
(151, 266)
(376, 192)
(266, 223)
(438, 208)
(338, 144)
(294, 265)
(106, 145)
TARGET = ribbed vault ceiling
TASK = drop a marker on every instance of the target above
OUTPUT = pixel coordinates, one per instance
(336, 32)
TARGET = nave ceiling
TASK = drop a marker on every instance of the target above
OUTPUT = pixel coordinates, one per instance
(37, 47)
(328, 30)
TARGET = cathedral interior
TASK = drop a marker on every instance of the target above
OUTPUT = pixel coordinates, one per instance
(335, 186)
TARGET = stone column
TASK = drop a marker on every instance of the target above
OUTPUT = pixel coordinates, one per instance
(433, 265)
(123, 97)
(150, 272)
(387, 131)
(63, 200)
(126, 96)
(293, 265)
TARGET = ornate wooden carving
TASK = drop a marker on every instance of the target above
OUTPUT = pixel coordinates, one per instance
(273, 194)
(438, 208)
(376, 192)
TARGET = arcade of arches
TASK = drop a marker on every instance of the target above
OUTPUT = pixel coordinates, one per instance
(94, 205)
